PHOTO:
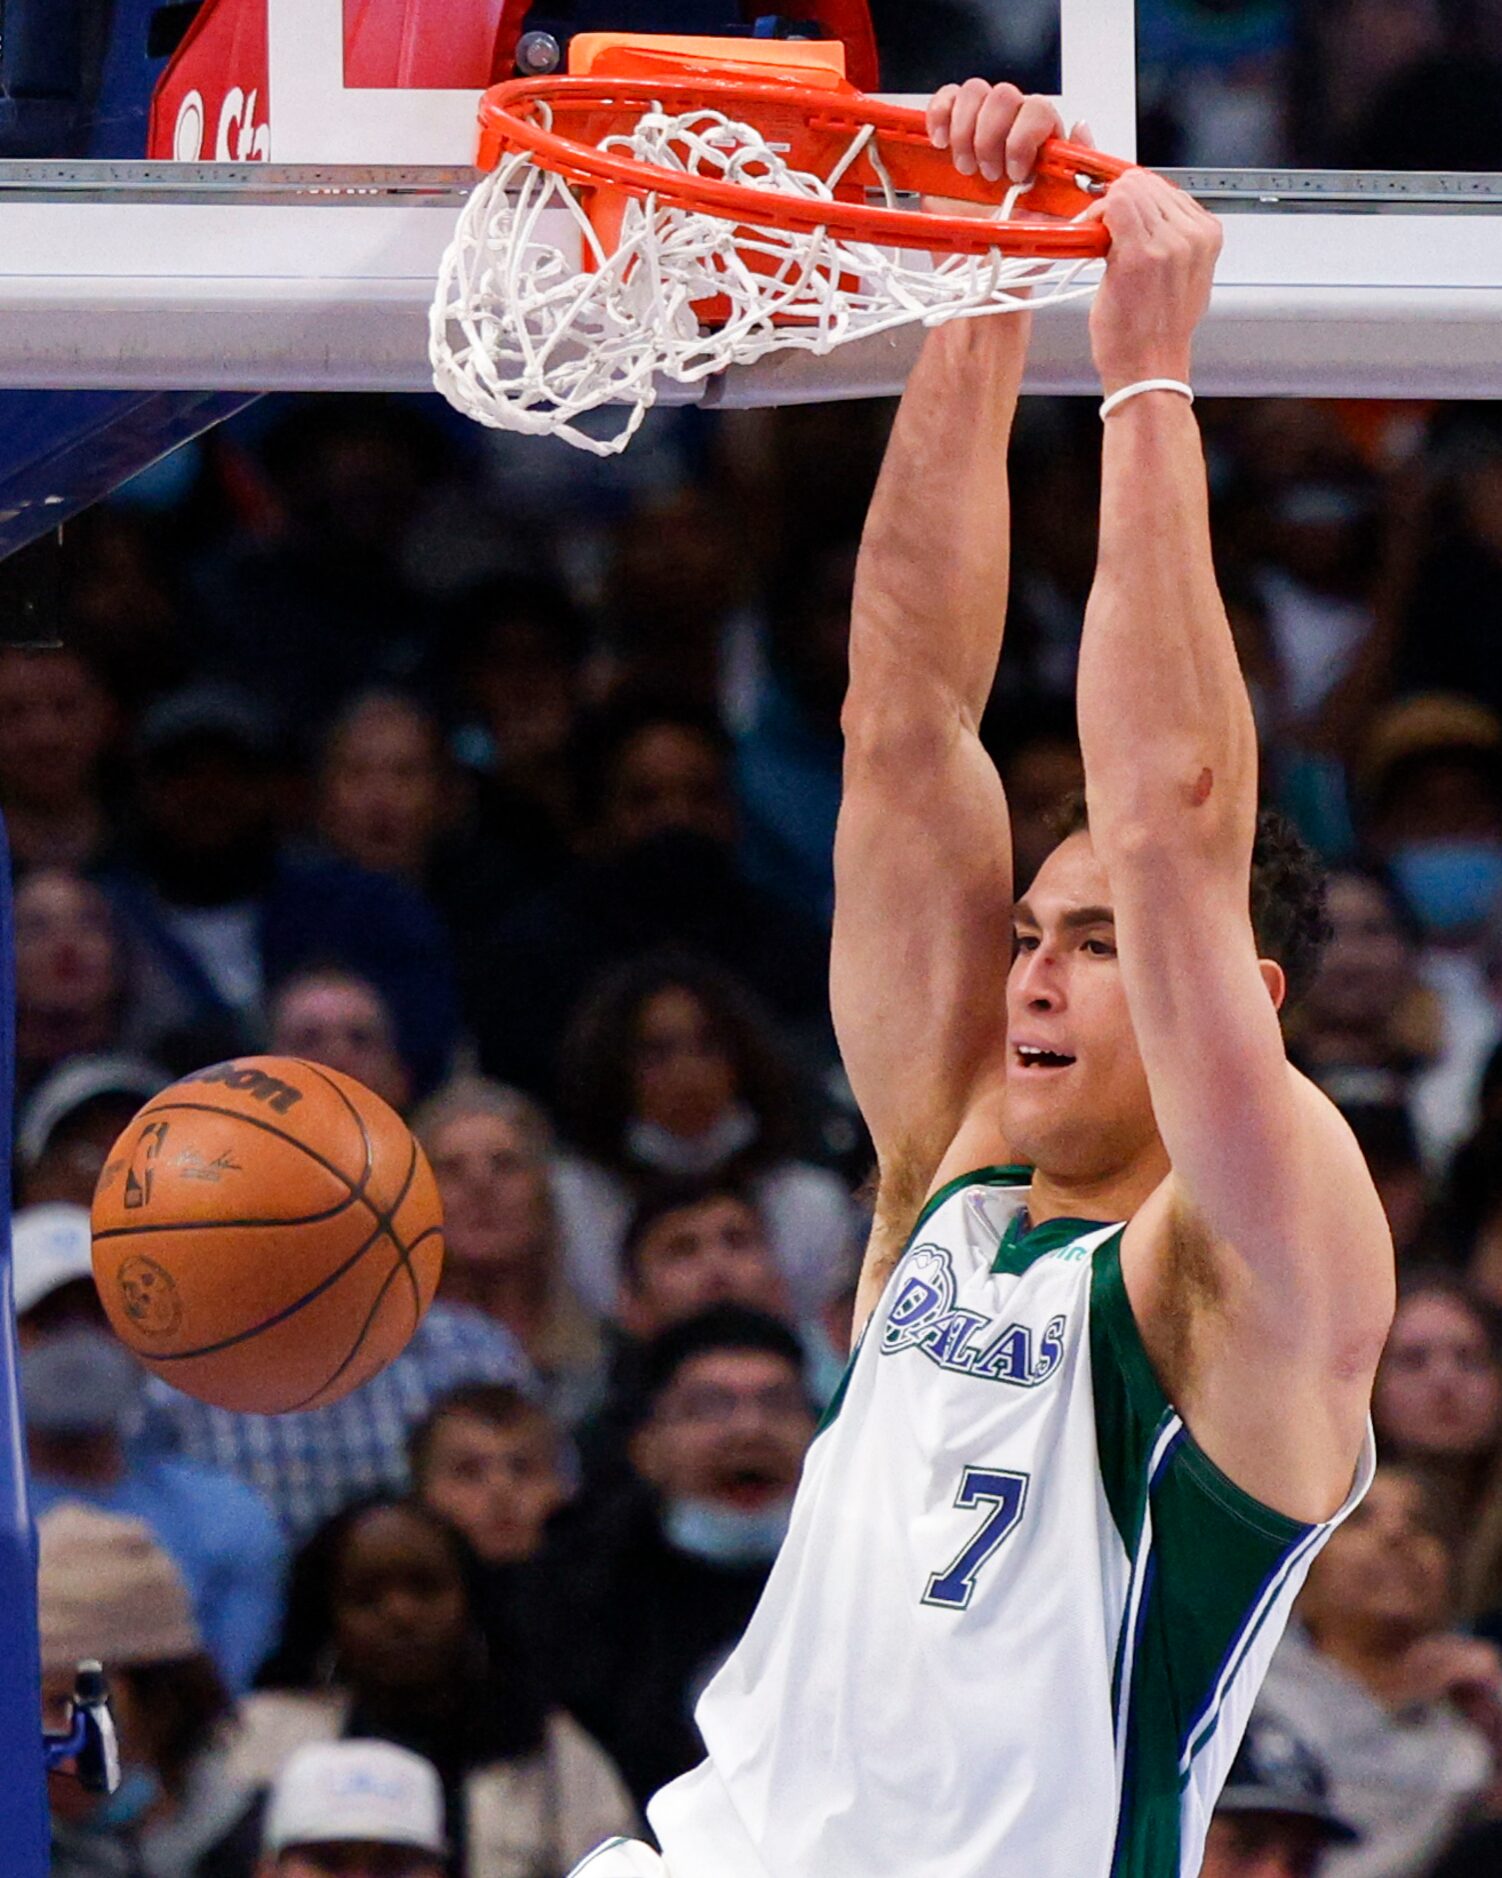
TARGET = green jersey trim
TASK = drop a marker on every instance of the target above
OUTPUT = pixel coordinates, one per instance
(1207, 1564)
(1011, 1176)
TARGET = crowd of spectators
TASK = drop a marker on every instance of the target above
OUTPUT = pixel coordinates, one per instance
(505, 781)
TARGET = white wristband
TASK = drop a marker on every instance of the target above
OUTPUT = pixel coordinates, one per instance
(1108, 405)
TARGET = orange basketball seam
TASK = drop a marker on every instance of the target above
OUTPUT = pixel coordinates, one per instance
(370, 1315)
(353, 1191)
(403, 1252)
(383, 1228)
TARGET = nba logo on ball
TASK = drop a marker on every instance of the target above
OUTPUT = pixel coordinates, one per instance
(267, 1235)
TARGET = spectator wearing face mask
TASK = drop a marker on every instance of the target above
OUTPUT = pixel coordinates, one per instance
(693, 1242)
(722, 1428)
(1430, 785)
(106, 1591)
(1404, 1710)
(1273, 1818)
(355, 1809)
(671, 1067)
(80, 1388)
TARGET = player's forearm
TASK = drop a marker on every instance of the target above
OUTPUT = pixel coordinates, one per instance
(1166, 727)
(931, 582)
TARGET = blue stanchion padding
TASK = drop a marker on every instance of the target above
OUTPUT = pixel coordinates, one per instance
(24, 1851)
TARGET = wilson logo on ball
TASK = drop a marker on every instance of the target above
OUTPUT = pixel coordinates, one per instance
(277, 1095)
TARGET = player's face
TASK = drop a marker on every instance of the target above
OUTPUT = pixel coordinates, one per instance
(1076, 1101)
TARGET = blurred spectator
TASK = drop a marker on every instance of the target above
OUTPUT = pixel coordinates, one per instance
(1456, 586)
(56, 725)
(335, 1017)
(219, 907)
(1405, 1712)
(1273, 1818)
(309, 1464)
(1472, 1204)
(724, 1421)
(1430, 780)
(515, 665)
(1366, 1025)
(789, 755)
(1037, 754)
(1314, 580)
(385, 1638)
(1438, 1407)
(105, 1591)
(489, 1149)
(676, 574)
(348, 1809)
(491, 1462)
(661, 870)
(670, 1067)
(73, 1118)
(70, 972)
(321, 602)
(1387, 1140)
(81, 1389)
(383, 800)
(693, 1241)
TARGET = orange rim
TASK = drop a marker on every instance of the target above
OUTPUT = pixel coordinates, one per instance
(599, 107)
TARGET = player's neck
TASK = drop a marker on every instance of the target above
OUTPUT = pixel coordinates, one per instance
(1110, 1195)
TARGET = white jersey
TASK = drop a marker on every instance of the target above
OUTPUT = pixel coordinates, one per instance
(1019, 1618)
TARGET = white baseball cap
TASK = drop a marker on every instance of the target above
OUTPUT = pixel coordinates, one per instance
(357, 1792)
(51, 1245)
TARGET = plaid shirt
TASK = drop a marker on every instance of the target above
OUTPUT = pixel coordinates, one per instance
(308, 1465)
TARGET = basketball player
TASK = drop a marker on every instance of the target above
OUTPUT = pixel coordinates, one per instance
(1129, 1278)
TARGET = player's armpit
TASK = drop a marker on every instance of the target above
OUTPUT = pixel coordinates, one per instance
(1268, 1349)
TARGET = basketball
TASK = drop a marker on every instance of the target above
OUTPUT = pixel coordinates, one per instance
(267, 1235)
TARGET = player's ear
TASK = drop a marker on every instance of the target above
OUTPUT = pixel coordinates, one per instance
(1273, 978)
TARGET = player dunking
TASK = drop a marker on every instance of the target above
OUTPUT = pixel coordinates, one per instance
(1110, 1391)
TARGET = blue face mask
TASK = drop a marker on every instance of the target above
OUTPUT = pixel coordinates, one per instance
(1452, 885)
(138, 1791)
(78, 1381)
(727, 1535)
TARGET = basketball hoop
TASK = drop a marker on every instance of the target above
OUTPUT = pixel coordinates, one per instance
(723, 211)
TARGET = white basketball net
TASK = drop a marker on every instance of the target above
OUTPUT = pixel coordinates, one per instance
(521, 339)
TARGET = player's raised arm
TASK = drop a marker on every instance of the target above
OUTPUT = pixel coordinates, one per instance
(923, 885)
(1296, 1263)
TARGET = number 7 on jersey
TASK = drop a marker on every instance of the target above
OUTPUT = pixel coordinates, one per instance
(1004, 1494)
